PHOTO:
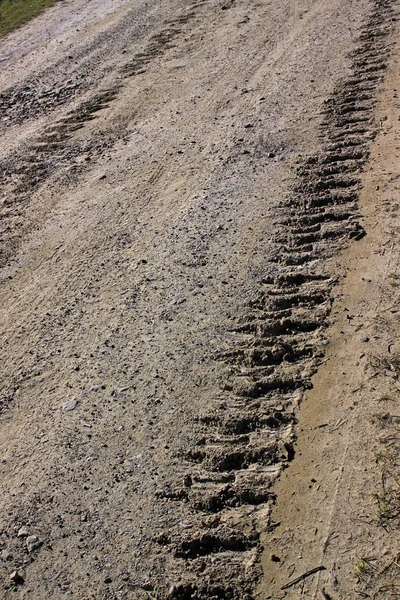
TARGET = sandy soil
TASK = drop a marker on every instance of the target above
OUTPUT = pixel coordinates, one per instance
(330, 506)
(180, 204)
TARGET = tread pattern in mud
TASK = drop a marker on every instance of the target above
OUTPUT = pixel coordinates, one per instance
(247, 435)
(26, 170)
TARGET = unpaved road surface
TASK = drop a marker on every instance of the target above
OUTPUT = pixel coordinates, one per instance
(178, 184)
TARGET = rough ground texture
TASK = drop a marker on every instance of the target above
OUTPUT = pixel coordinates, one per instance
(181, 197)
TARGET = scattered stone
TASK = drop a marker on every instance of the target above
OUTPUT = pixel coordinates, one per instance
(17, 578)
(23, 532)
(275, 558)
(107, 580)
(33, 543)
(147, 585)
(69, 405)
(178, 64)
(365, 339)
(95, 388)
(6, 555)
(187, 481)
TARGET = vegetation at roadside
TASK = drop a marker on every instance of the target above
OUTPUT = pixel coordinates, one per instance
(377, 574)
(14, 13)
(388, 459)
(387, 455)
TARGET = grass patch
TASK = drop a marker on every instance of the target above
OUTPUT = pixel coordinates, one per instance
(387, 457)
(388, 499)
(384, 364)
(385, 419)
(363, 568)
(394, 277)
(14, 13)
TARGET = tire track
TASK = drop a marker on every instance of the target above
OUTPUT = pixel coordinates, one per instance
(63, 81)
(22, 174)
(247, 435)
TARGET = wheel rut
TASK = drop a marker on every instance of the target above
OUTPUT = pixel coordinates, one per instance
(247, 435)
(214, 492)
(27, 169)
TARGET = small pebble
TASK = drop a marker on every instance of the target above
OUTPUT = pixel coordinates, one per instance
(275, 558)
(23, 532)
(6, 554)
(33, 543)
(17, 578)
(187, 481)
(69, 405)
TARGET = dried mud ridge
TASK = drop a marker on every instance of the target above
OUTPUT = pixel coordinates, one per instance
(25, 171)
(247, 435)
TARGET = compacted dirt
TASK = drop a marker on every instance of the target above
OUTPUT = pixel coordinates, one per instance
(193, 393)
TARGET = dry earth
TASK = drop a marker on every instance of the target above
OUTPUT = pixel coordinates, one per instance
(336, 504)
(199, 305)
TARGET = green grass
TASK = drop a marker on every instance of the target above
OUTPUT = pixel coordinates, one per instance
(387, 457)
(362, 569)
(14, 13)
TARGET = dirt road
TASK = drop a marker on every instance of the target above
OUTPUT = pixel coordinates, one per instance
(178, 184)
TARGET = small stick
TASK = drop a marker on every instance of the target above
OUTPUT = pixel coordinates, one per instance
(386, 567)
(304, 576)
(339, 424)
(327, 541)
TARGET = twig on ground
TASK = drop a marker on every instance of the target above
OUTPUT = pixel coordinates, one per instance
(328, 540)
(386, 567)
(338, 424)
(302, 577)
